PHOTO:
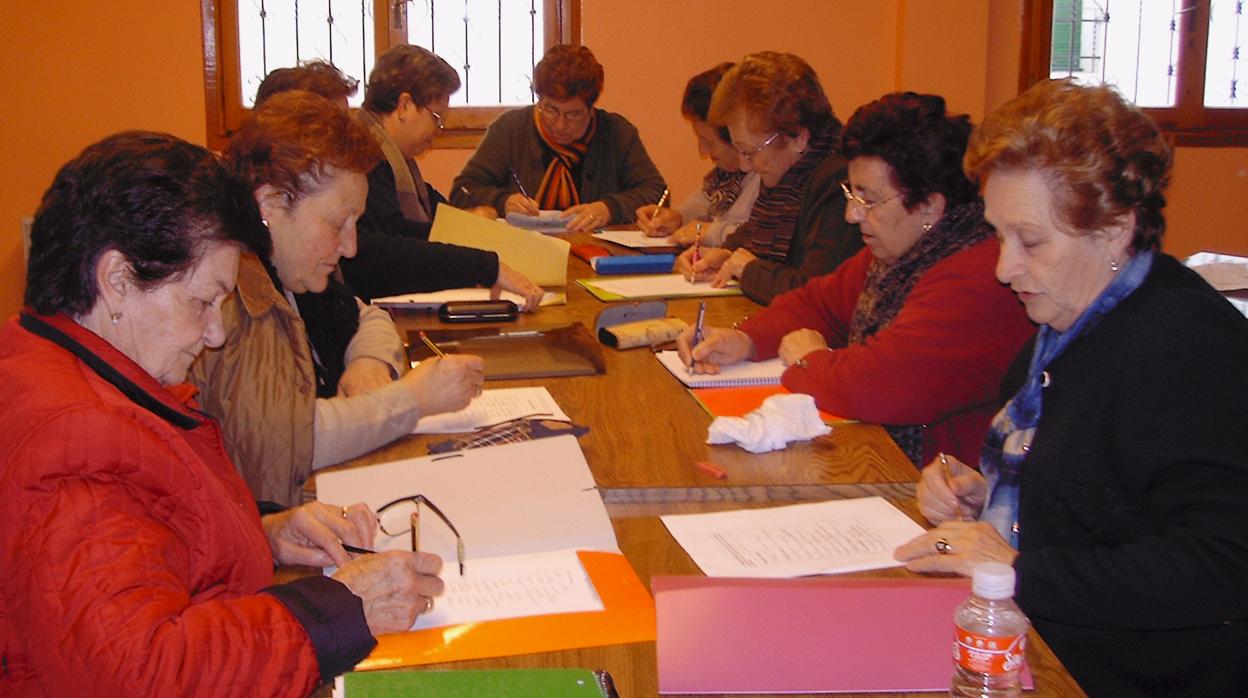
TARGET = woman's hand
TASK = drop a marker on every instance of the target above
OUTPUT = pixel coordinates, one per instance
(511, 280)
(719, 347)
(395, 586)
(709, 261)
(362, 375)
(688, 234)
(966, 544)
(519, 203)
(733, 267)
(951, 491)
(798, 343)
(446, 384)
(313, 534)
(587, 216)
(657, 222)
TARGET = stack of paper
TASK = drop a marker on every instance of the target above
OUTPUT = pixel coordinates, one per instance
(491, 407)
(431, 301)
(652, 286)
(634, 238)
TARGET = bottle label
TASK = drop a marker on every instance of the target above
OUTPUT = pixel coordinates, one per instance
(988, 655)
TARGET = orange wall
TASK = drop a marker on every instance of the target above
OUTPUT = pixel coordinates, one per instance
(76, 70)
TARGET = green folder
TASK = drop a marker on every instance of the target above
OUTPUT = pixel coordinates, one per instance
(503, 683)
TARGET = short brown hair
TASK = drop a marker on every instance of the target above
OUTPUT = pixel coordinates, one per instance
(422, 74)
(696, 102)
(292, 141)
(779, 91)
(1103, 158)
(566, 72)
(318, 77)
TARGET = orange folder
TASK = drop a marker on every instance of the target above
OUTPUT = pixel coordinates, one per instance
(737, 402)
(627, 616)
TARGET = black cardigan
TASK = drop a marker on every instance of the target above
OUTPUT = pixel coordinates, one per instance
(1133, 511)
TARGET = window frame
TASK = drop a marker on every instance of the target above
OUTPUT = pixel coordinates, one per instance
(1188, 122)
(222, 76)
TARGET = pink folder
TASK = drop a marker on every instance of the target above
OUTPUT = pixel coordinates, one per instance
(811, 635)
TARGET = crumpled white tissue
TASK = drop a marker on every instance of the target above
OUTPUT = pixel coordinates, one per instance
(779, 420)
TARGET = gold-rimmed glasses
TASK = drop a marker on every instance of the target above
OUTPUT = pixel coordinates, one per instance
(553, 113)
(749, 156)
(866, 205)
(402, 517)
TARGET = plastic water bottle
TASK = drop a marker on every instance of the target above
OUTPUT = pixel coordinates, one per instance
(990, 636)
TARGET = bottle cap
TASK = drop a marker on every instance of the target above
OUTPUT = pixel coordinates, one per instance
(993, 580)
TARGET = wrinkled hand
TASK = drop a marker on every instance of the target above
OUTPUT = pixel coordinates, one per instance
(313, 534)
(395, 586)
(657, 222)
(519, 203)
(587, 216)
(799, 343)
(687, 234)
(364, 374)
(511, 280)
(960, 494)
(733, 267)
(709, 261)
(970, 543)
(719, 347)
(445, 384)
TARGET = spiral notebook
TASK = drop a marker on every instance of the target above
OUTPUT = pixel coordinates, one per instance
(744, 373)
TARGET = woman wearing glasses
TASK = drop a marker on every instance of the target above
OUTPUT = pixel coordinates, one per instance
(914, 332)
(308, 376)
(133, 560)
(562, 154)
(408, 93)
(784, 130)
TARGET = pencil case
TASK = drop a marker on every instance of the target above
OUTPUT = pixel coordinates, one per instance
(634, 264)
(643, 333)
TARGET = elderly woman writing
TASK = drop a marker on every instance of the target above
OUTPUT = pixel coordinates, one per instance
(727, 194)
(1115, 480)
(562, 154)
(784, 130)
(308, 376)
(133, 560)
(408, 94)
(913, 332)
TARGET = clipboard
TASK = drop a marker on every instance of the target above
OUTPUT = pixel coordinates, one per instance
(628, 616)
(511, 353)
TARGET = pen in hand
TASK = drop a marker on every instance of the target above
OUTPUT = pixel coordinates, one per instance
(957, 502)
(519, 186)
(432, 347)
(697, 332)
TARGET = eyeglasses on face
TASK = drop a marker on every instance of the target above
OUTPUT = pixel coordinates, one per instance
(553, 113)
(749, 156)
(866, 205)
(395, 519)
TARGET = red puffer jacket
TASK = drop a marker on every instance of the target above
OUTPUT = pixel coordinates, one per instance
(131, 553)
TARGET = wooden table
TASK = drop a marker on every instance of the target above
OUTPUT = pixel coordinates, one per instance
(646, 431)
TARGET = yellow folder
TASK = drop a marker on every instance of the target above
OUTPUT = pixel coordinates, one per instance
(542, 258)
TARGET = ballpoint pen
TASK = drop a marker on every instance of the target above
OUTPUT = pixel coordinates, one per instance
(432, 347)
(697, 333)
(944, 464)
(519, 186)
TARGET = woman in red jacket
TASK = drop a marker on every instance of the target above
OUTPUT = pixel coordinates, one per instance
(914, 332)
(133, 560)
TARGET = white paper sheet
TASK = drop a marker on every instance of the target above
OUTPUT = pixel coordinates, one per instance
(633, 238)
(660, 286)
(430, 301)
(830, 537)
(512, 587)
(491, 407)
(546, 221)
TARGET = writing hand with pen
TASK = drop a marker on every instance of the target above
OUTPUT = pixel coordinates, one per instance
(718, 347)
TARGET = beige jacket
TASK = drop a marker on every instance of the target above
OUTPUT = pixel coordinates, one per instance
(261, 386)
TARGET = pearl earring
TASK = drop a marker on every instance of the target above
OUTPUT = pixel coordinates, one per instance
(115, 317)
(1113, 265)
(927, 227)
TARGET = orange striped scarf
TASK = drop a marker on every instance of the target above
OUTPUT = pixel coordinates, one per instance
(557, 191)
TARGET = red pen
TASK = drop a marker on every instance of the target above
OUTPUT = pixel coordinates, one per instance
(711, 469)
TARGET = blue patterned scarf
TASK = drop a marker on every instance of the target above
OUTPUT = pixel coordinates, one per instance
(1010, 434)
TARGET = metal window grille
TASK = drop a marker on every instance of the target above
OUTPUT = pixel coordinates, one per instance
(1131, 44)
(1222, 60)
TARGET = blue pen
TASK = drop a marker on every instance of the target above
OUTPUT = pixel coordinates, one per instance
(697, 327)
(519, 186)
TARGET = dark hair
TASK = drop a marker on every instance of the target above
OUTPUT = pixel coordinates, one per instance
(779, 91)
(696, 102)
(423, 75)
(920, 142)
(1102, 156)
(318, 77)
(158, 200)
(566, 72)
(294, 139)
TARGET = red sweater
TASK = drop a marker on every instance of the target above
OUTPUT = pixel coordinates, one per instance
(939, 362)
(131, 552)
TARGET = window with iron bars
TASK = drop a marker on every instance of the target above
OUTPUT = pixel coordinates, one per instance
(1178, 59)
(494, 45)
